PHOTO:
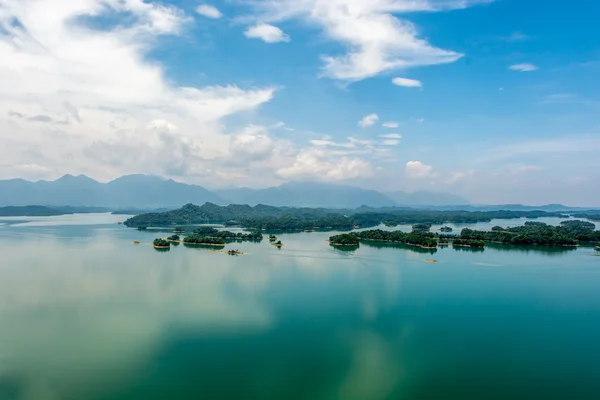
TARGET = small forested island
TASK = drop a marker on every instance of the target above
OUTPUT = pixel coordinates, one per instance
(174, 238)
(277, 244)
(269, 218)
(421, 227)
(345, 239)
(272, 238)
(446, 229)
(161, 244)
(228, 235)
(421, 239)
(203, 240)
(390, 224)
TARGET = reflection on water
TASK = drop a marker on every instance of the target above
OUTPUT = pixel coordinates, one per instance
(85, 314)
(390, 245)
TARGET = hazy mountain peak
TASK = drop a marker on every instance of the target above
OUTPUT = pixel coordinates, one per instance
(73, 178)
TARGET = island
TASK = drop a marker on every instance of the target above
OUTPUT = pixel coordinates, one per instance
(446, 229)
(476, 244)
(267, 218)
(421, 227)
(272, 238)
(425, 240)
(161, 244)
(277, 244)
(31, 211)
(203, 240)
(568, 233)
(227, 235)
(174, 238)
(345, 239)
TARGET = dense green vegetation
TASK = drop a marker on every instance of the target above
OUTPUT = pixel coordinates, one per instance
(161, 243)
(346, 239)
(206, 240)
(283, 218)
(212, 232)
(174, 238)
(469, 243)
(569, 233)
(446, 229)
(421, 227)
(422, 239)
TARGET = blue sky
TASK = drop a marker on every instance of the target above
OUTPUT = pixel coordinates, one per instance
(493, 100)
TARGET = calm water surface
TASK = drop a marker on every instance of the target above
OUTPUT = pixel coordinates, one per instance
(85, 314)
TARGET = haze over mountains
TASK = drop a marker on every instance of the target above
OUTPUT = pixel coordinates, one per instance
(150, 192)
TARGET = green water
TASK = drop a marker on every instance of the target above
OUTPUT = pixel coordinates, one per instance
(85, 314)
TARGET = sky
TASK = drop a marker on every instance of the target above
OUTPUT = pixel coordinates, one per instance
(494, 100)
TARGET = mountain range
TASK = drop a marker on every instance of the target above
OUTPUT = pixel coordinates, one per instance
(150, 192)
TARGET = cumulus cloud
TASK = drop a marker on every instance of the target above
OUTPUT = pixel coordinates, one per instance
(369, 120)
(526, 67)
(252, 144)
(267, 32)
(418, 170)
(390, 142)
(209, 11)
(377, 39)
(108, 111)
(315, 163)
(405, 82)
(392, 125)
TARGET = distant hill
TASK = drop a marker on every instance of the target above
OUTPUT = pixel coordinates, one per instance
(425, 198)
(127, 192)
(30, 211)
(303, 194)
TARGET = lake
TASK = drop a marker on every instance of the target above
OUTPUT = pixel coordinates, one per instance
(86, 314)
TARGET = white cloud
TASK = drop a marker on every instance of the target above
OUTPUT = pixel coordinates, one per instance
(392, 125)
(330, 143)
(418, 170)
(523, 67)
(405, 82)
(369, 120)
(375, 38)
(391, 136)
(252, 144)
(390, 142)
(108, 111)
(421, 120)
(209, 11)
(266, 32)
(315, 163)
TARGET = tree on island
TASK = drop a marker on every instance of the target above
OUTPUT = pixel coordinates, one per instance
(345, 239)
(198, 240)
(161, 243)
